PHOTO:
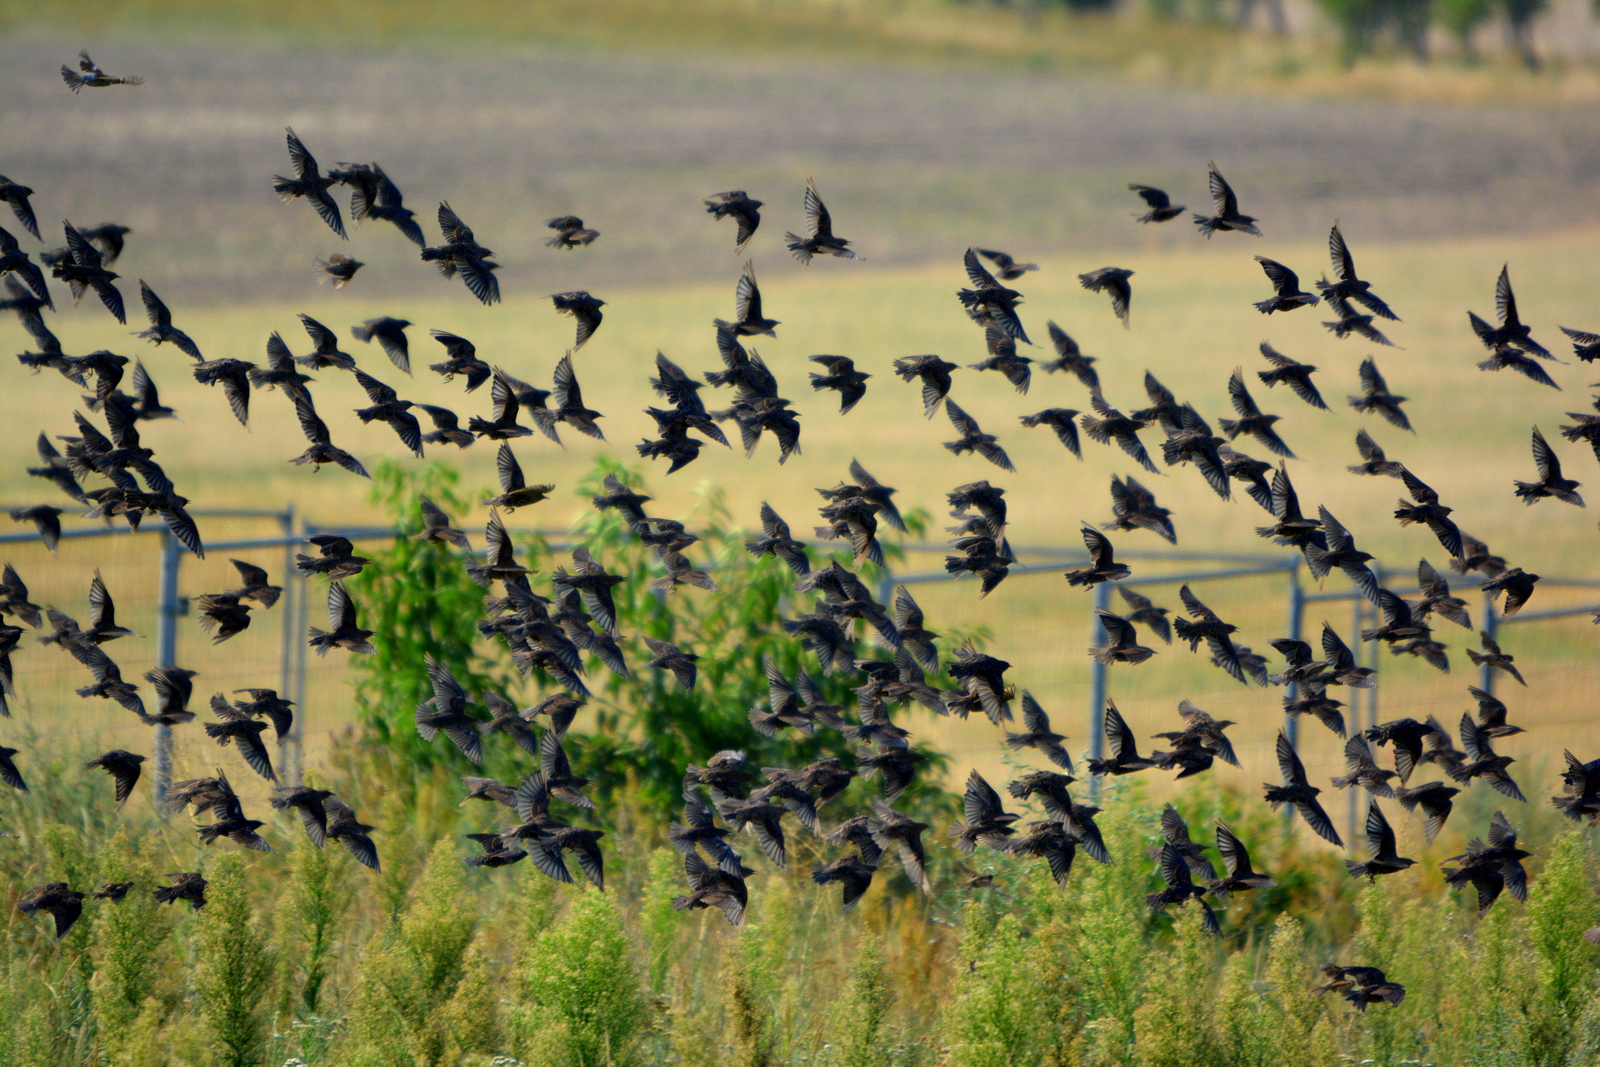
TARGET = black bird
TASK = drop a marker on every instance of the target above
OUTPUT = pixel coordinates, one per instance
(338, 269)
(1003, 358)
(327, 352)
(1517, 585)
(1511, 333)
(1241, 876)
(1038, 734)
(1113, 280)
(1494, 867)
(161, 328)
(1350, 321)
(1103, 567)
(934, 374)
(1407, 736)
(988, 302)
(1435, 800)
(1362, 770)
(388, 408)
(821, 239)
(1296, 375)
(1292, 527)
(986, 819)
(14, 259)
(1550, 482)
(1484, 762)
(1108, 424)
(45, 519)
(14, 598)
(1124, 749)
(669, 657)
(1251, 420)
(345, 828)
(1227, 215)
(336, 559)
(779, 543)
(1378, 400)
(1341, 552)
(1492, 715)
(322, 449)
(309, 182)
(373, 195)
(391, 334)
(85, 271)
(1298, 791)
(462, 254)
(843, 376)
(1287, 294)
(123, 767)
(265, 703)
(235, 376)
(342, 618)
(16, 194)
(146, 399)
(461, 359)
(90, 75)
(1146, 613)
(570, 232)
(713, 887)
(1512, 359)
(1160, 204)
(1061, 421)
(1374, 461)
(982, 676)
(736, 204)
(515, 491)
(1070, 358)
(186, 885)
(237, 727)
(56, 899)
(1586, 346)
(853, 875)
(568, 399)
(1181, 888)
(973, 439)
(1436, 598)
(1135, 508)
(1428, 511)
(1175, 834)
(1005, 265)
(1494, 658)
(892, 831)
(1205, 625)
(1122, 645)
(748, 319)
(1349, 286)
(1250, 471)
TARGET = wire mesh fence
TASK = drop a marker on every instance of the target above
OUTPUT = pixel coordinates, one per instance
(1042, 628)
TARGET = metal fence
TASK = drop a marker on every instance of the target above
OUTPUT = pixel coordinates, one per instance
(295, 607)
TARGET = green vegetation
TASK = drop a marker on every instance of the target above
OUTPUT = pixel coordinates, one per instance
(305, 958)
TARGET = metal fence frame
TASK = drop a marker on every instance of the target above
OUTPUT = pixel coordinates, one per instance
(295, 604)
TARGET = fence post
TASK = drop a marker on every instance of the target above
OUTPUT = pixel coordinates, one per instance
(1358, 610)
(1491, 625)
(1297, 610)
(169, 610)
(297, 638)
(1097, 687)
(288, 748)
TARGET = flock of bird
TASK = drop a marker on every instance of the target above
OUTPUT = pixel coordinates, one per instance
(548, 634)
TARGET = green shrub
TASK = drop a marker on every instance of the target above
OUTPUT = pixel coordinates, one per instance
(234, 968)
(579, 976)
(864, 1005)
(128, 940)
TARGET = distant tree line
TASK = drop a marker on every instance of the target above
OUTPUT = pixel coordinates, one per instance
(1363, 24)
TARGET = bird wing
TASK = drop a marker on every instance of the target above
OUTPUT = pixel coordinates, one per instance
(1289, 765)
(980, 278)
(311, 424)
(965, 424)
(1243, 403)
(102, 609)
(1544, 458)
(1505, 301)
(1473, 740)
(1344, 268)
(1380, 835)
(817, 216)
(1284, 280)
(1222, 193)
(747, 297)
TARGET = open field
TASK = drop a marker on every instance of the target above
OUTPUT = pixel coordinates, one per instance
(916, 165)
